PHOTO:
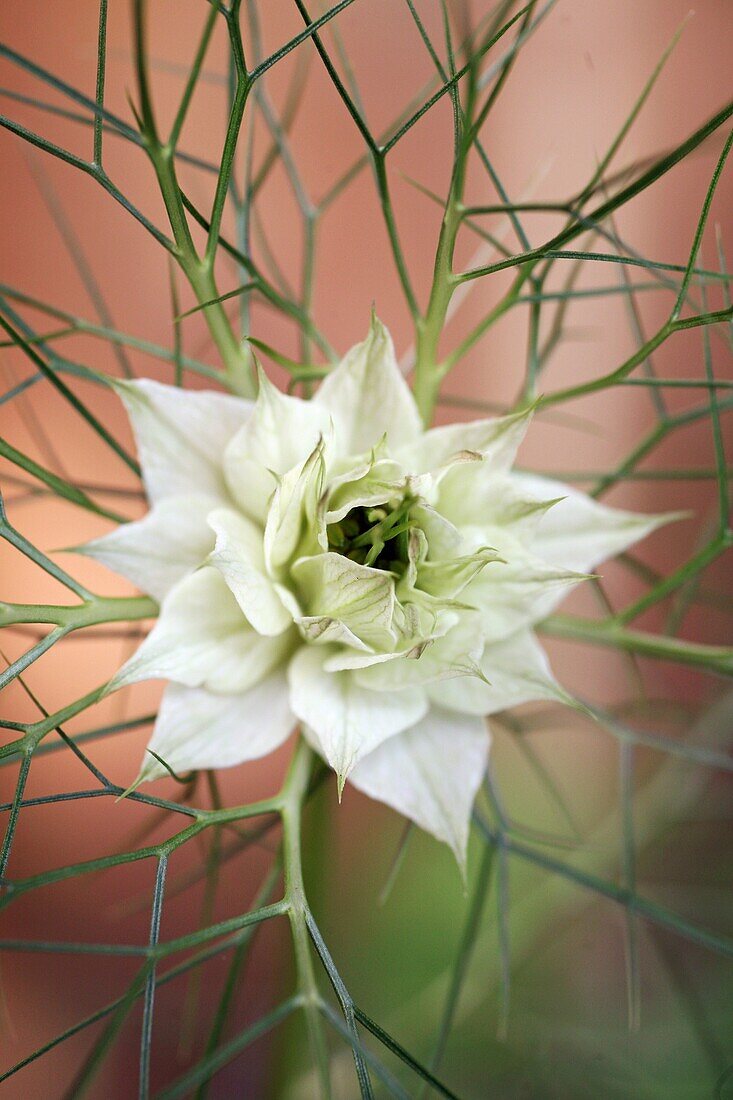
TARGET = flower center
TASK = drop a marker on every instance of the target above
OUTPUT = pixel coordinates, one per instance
(377, 537)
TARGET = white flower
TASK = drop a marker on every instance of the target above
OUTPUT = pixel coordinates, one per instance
(330, 563)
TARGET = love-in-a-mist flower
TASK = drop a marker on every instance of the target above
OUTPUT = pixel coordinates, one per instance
(330, 563)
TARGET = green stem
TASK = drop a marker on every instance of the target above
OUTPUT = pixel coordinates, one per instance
(98, 609)
(385, 200)
(199, 271)
(639, 356)
(234, 357)
(293, 794)
(509, 299)
(687, 572)
(200, 275)
(428, 370)
(718, 659)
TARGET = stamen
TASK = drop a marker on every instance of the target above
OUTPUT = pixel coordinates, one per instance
(377, 537)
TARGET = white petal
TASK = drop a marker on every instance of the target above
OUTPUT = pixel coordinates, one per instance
(431, 774)
(496, 439)
(475, 495)
(348, 721)
(279, 435)
(580, 533)
(181, 435)
(155, 552)
(520, 590)
(197, 729)
(474, 492)
(334, 587)
(368, 397)
(239, 557)
(518, 672)
(202, 640)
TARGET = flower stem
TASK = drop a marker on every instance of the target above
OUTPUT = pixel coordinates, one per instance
(293, 793)
(200, 275)
(234, 355)
(198, 270)
(718, 659)
(91, 612)
(429, 371)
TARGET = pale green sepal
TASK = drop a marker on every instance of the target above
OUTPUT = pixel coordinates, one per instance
(131, 789)
(494, 441)
(455, 646)
(580, 532)
(377, 484)
(516, 670)
(446, 579)
(443, 538)
(518, 590)
(476, 496)
(334, 587)
(323, 630)
(344, 660)
(290, 518)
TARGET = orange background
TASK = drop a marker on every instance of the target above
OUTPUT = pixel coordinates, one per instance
(569, 93)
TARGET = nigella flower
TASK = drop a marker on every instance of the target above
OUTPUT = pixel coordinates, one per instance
(330, 563)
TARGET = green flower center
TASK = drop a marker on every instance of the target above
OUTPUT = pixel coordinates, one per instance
(377, 537)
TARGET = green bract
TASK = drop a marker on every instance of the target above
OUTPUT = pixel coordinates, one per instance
(330, 563)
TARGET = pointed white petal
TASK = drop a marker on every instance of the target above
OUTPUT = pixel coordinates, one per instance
(496, 440)
(506, 505)
(348, 720)
(202, 640)
(279, 435)
(157, 551)
(475, 491)
(181, 435)
(368, 397)
(239, 557)
(518, 672)
(580, 533)
(476, 495)
(197, 729)
(334, 587)
(431, 774)
(519, 590)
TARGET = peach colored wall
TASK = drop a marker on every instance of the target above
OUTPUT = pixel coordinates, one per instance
(569, 92)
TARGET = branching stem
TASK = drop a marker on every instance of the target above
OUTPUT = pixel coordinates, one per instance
(293, 794)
